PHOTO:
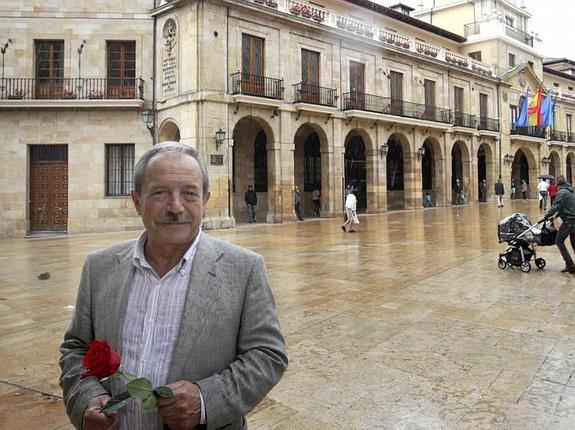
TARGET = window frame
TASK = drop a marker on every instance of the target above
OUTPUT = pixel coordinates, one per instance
(123, 185)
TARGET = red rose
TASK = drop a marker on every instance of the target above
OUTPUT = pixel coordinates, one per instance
(100, 361)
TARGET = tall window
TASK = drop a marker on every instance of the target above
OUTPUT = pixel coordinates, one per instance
(511, 60)
(121, 70)
(429, 96)
(568, 118)
(252, 55)
(396, 92)
(310, 76)
(119, 169)
(514, 115)
(49, 68)
(357, 85)
(458, 99)
(509, 21)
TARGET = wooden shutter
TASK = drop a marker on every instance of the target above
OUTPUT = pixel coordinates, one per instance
(483, 110)
(309, 76)
(252, 65)
(396, 92)
(429, 95)
(458, 99)
(357, 84)
(49, 68)
(121, 71)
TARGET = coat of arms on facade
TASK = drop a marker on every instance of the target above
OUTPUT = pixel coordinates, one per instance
(169, 36)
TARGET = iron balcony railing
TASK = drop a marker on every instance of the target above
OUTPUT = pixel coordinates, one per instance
(460, 119)
(488, 124)
(70, 88)
(259, 86)
(529, 131)
(561, 136)
(314, 94)
(385, 105)
(519, 35)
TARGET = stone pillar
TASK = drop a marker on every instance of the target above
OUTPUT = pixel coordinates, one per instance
(381, 170)
(411, 179)
(337, 160)
(473, 186)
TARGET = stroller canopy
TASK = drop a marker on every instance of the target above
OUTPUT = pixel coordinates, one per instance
(512, 226)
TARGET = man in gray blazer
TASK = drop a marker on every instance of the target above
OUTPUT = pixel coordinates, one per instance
(182, 309)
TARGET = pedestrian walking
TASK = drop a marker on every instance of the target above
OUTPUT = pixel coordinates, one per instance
(483, 191)
(542, 189)
(459, 199)
(251, 200)
(350, 207)
(315, 198)
(524, 189)
(553, 190)
(513, 190)
(499, 192)
(427, 200)
(297, 204)
(564, 207)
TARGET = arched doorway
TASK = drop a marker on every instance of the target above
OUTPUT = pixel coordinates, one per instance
(395, 168)
(520, 170)
(570, 167)
(169, 131)
(355, 168)
(250, 167)
(459, 169)
(307, 165)
(432, 171)
(485, 169)
(555, 164)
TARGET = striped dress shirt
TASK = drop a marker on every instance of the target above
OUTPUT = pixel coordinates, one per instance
(151, 325)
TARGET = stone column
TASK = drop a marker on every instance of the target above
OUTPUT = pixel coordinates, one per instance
(381, 169)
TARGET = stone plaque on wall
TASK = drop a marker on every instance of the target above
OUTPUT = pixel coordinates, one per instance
(169, 60)
(217, 159)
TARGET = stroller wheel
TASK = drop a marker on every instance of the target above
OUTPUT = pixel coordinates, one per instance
(502, 263)
(540, 263)
(526, 266)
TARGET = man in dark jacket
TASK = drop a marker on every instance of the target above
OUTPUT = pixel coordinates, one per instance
(564, 206)
(251, 200)
(499, 192)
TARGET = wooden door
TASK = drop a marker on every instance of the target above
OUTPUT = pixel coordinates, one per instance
(121, 71)
(357, 85)
(253, 82)
(48, 188)
(396, 92)
(309, 76)
(458, 105)
(49, 68)
(429, 94)
(483, 112)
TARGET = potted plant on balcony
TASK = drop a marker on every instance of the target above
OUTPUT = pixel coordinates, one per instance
(433, 53)
(295, 9)
(272, 3)
(16, 95)
(318, 16)
(68, 94)
(419, 48)
(390, 39)
(306, 11)
(350, 25)
(340, 23)
(359, 29)
(94, 95)
(406, 44)
(368, 32)
(260, 1)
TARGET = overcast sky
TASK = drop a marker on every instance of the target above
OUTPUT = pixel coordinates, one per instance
(551, 19)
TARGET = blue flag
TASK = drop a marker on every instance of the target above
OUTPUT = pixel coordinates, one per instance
(523, 120)
(547, 111)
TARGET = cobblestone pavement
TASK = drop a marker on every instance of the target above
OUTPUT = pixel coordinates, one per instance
(406, 324)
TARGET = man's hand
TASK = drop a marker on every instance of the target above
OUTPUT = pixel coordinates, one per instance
(182, 412)
(95, 420)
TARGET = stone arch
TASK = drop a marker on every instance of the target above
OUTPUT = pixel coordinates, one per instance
(460, 168)
(399, 170)
(253, 137)
(570, 167)
(169, 130)
(486, 168)
(357, 173)
(555, 164)
(432, 171)
(311, 166)
(524, 167)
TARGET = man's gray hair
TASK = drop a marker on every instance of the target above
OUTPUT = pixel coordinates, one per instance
(561, 180)
(142, 164)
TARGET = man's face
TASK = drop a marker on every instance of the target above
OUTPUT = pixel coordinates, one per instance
(171, 202)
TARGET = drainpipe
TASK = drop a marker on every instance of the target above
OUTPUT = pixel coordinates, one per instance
(500, 125)
(154, 105)
(230, 150)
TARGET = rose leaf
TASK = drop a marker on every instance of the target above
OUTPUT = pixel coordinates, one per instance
(164, 392)
(116, 402)
(140, 388)
(149, 403)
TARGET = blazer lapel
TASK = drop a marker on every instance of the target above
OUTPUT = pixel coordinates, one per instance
(198, 302)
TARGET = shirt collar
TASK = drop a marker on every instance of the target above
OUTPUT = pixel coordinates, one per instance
(139, 258)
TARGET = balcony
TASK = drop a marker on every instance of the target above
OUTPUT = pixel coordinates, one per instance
(497, 27)
(561, 136)
(70, 89)
(519, 35)
(314, 94)
(460, 119)
(355, 100)
(488, 124)
(536, 132)
(257, 86)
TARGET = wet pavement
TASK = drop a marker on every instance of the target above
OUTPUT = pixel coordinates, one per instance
(406, 324)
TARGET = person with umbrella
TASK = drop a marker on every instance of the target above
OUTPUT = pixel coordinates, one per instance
(542, 189)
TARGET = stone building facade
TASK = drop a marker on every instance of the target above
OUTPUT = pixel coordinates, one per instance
(275, 94)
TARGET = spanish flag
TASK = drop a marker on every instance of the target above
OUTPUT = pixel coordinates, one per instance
(535, 110)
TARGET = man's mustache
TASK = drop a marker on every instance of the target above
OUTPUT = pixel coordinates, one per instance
(170, 218)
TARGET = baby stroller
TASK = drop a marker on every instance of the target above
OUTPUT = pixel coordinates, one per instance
(517, 231)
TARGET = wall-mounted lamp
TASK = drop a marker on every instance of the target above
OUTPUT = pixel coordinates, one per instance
(383, 150)
(148, 118)
(220, 137)
(508, 158)
(421, 152)
(3, 49)
(546, 160)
